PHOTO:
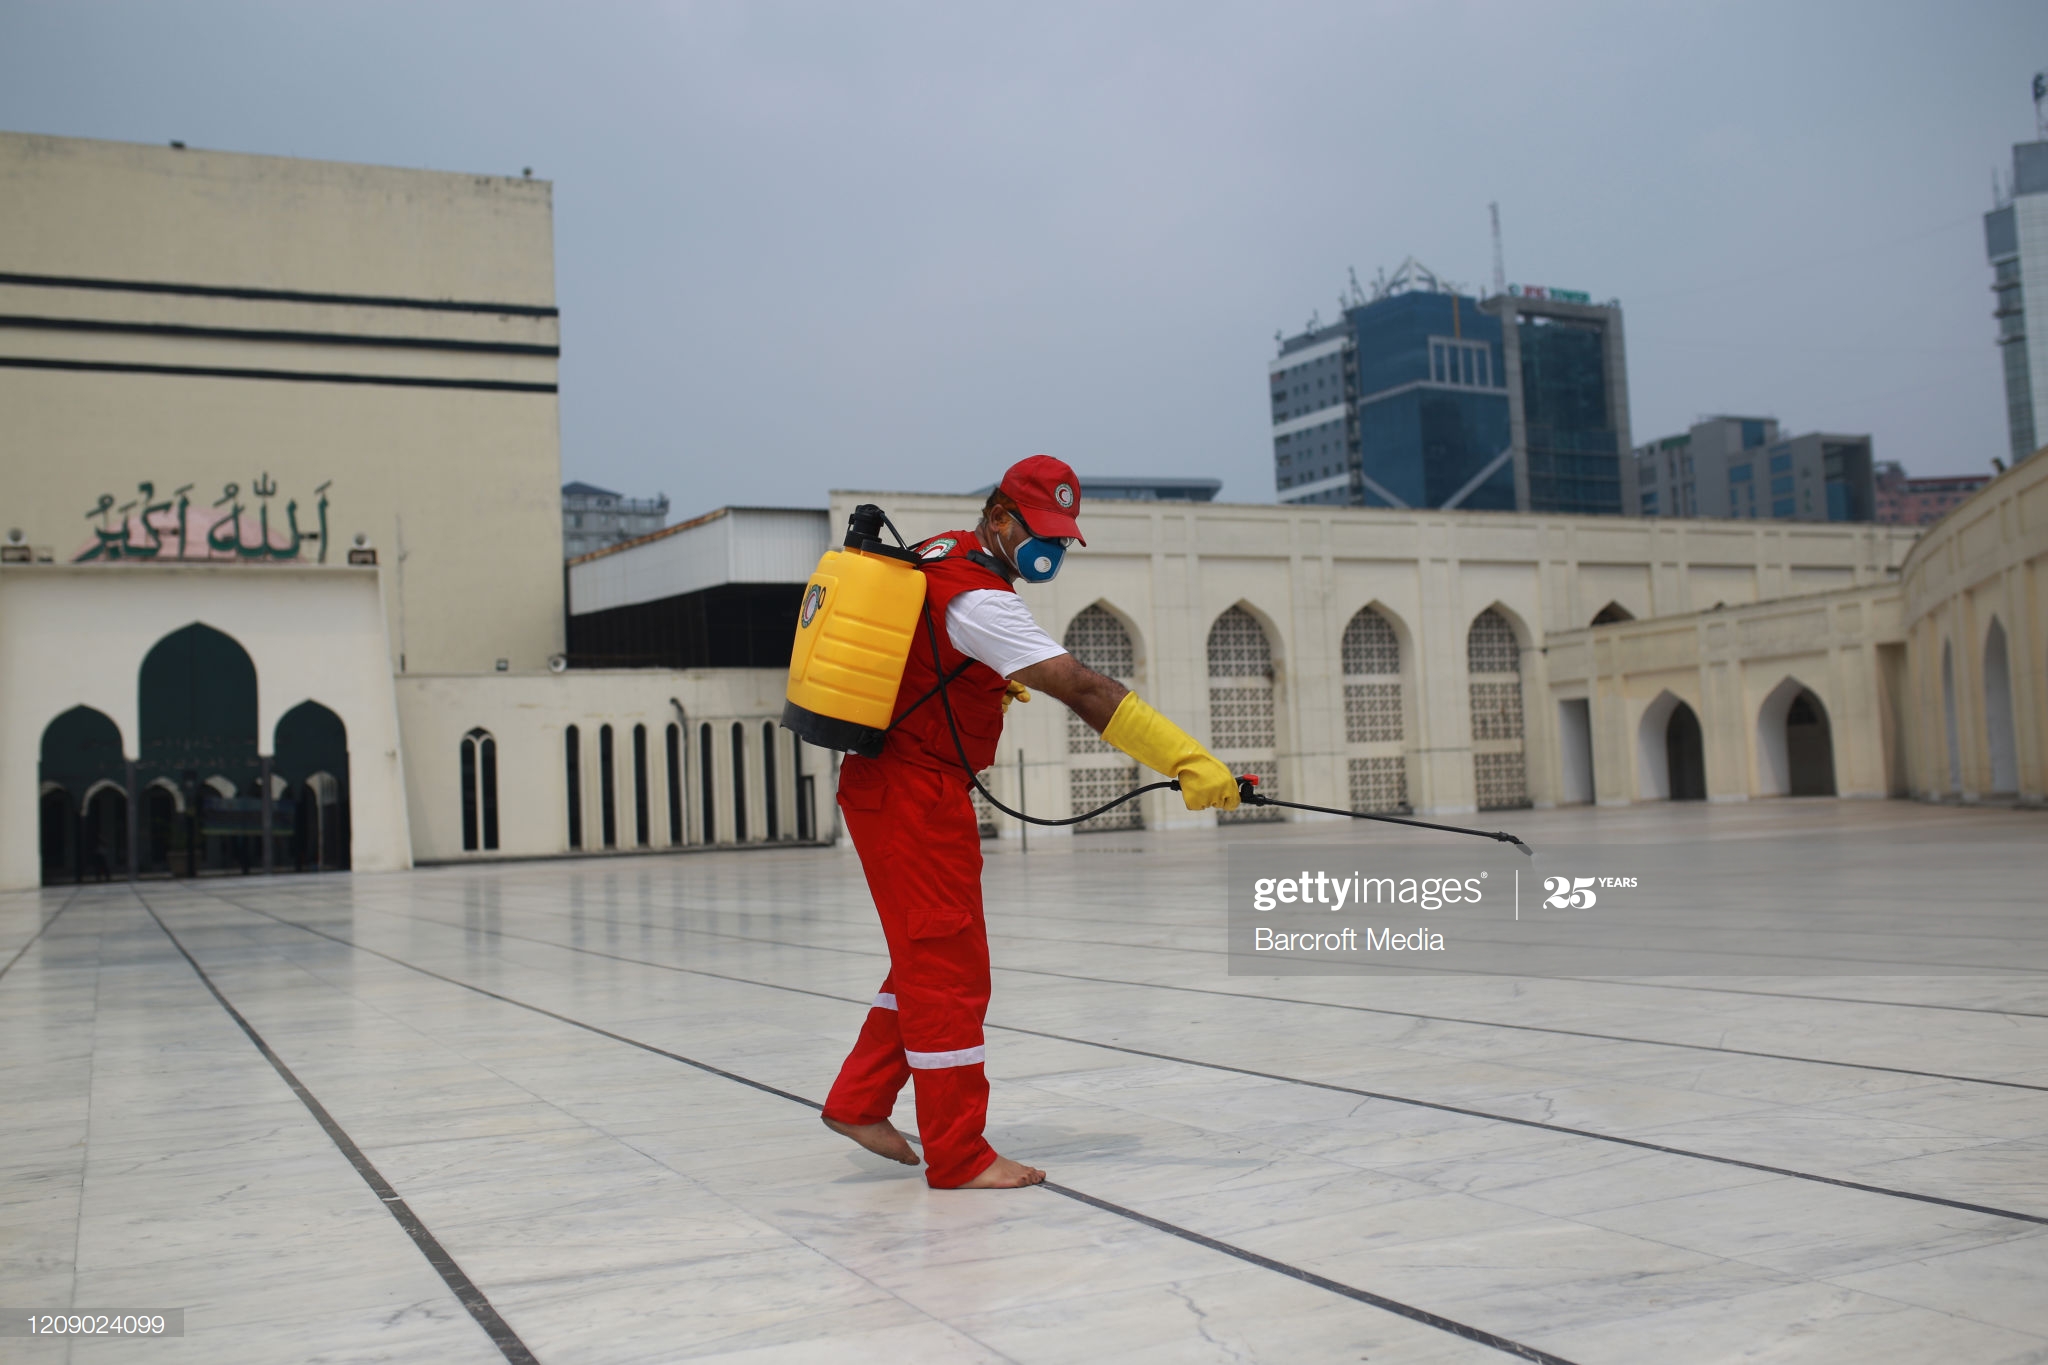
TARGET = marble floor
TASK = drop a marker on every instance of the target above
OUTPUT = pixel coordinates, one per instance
(564, 1111)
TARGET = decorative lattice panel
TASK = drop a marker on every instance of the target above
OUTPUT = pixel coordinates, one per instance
(1500, 781)
(1099, 640)
(1269, 782)
(1370, 646)
(1238, 647)
(1090, 787)
(1497, 710)
(1490, 647)
(984, 813)
(1379, 784)
(1241, 718)
(1372, 711)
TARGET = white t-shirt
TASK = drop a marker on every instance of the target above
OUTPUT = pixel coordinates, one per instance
(997, 628)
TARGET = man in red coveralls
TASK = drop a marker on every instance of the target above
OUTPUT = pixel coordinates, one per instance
(919, 843)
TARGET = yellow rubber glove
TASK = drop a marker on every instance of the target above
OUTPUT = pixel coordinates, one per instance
(1014, 690)
(1159, 744)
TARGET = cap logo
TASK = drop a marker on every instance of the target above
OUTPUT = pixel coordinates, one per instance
(1064, 495)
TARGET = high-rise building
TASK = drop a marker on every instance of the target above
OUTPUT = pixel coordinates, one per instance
(596, 518)
(2016, 243)
(1425, 397)
(1567, 377)
(1742, 467)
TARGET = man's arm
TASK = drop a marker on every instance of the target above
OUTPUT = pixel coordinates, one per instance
(1091, 696)
(1122, 718)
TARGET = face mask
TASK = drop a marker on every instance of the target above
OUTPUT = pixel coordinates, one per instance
(1036, 559)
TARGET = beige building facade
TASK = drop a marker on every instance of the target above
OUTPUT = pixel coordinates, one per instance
(1932, 685)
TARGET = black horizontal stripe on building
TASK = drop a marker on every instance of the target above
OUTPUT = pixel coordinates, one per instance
(187, 331)
(228, 291)
(403, 381)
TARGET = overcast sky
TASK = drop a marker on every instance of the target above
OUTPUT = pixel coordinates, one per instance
(898, 246)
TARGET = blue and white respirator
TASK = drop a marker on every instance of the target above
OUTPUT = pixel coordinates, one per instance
(1037, 559)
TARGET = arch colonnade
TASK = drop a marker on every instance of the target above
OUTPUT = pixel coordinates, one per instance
(1932, 684)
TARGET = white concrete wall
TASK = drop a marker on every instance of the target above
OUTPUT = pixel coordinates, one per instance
(72, 636)
(1985, 562)
(1169, 569)
(1732, 667)
(529, 716)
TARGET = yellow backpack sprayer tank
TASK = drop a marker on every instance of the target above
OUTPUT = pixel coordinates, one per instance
(854, 630)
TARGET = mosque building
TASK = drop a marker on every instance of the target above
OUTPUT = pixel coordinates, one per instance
(282, 584)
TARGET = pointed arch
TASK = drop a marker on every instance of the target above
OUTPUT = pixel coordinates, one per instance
(1101, 639)
(198, 687)
(1670, 751)
(1374, 654)
(1999, 736)
(1794, 742)
(1243, 706)
(1612, 614)
(1132, 644)
(80, 747)
(1948, 718)
(1494, 644)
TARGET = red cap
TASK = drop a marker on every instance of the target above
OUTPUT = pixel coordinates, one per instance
(1048, 494)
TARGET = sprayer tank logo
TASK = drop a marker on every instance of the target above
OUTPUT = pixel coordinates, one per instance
(813, 600)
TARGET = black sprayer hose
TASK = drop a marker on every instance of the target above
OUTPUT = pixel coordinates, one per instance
(946, 701)
(1247, 787)
(1253, 798)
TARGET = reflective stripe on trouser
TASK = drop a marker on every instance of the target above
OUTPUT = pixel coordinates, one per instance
(920, 846)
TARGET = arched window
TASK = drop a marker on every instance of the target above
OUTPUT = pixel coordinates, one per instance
(674, 754)
(607, 788)
(1998, 713)
(572, 751)
(641, 834)
(479, 791)
(707, 784)
(768, 779)
(739, 783)
(1493, 659)
(1096, 772)
(1241, 706)
(1375, 723)
(1948, 718)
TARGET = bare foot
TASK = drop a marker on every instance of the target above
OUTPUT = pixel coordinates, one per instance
(1005, 1174)
(880, 1138)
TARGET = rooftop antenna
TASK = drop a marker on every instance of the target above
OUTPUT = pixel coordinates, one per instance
(2041, 99)
(1500, 271)
(1356, 296)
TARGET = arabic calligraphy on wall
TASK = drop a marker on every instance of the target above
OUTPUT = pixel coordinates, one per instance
(174, 528)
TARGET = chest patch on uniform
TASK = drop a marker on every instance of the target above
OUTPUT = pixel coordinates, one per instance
(938, 549)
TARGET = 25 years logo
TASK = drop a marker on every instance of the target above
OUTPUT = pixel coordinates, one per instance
(1578, 893)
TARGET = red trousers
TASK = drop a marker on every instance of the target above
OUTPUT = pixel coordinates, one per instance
(920, 846)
